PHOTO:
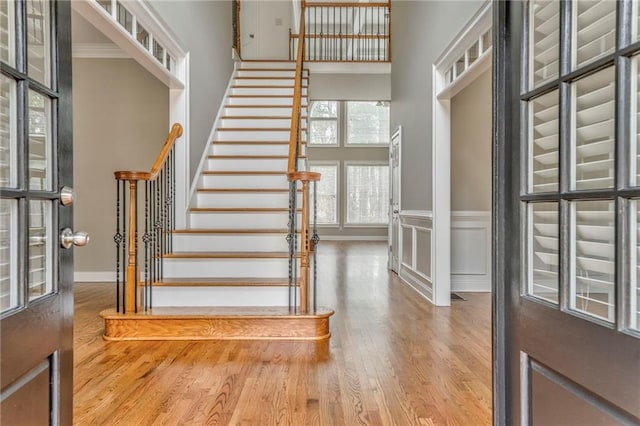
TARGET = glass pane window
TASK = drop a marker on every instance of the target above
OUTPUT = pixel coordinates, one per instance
(367, 194)
(8, 129)
(40, 249)
(594, 130)
(8, 255)
(544, 41)
(634, 282)
(324, 109)
(323, 123)
(106, 4)
(158, 51)
(7, 32)
(634, 149)
(142, 36)
(39, 40)
(368, 123)
(543, 143)
(543, 241)
(327, 191)
(592, 286)
(594, 30)
(39, 141)
(125, 18)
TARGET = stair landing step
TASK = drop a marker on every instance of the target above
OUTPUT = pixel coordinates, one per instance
(248, 190)
(230, 231)
(242, 172)
(240, 209)
(229, 255)
(223, 282)
(217, 323)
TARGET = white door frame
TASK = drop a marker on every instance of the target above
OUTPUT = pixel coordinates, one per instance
(396, 135)
(446, 83)
(177, 81)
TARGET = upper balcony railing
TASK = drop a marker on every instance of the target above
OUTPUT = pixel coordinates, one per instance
(345, 32)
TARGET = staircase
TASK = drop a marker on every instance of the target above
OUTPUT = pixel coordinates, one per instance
(227, 274)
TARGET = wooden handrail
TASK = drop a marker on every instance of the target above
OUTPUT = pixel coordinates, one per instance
(343, 36)
(294, 139)
(174, 134)
(322, 4)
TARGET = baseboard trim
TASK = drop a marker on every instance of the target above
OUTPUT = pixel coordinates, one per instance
(94, 277)
(351, 238)
(470, 284)
(410, 279)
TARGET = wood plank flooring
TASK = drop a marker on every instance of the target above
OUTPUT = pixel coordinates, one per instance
(393, 359)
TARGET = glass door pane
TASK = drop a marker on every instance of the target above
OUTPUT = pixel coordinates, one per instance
(634, 281)
(543, 143)
(39, 41)
(593, 289)
(543, 251)
(39, 141)
(544, 43)
(40, 248)
(8, 157)
(9, 293)
(594, 130)
(594, 30)
(7, 32)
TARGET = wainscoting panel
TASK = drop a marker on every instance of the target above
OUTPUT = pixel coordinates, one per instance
(416, 249)
(471, 251)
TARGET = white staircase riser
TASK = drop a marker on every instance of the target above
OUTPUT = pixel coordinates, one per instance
(220, 296)
(286, 101)
(244, 181)
(254, 135)
(290, 81)
(229, 242)
(261, 91)
(250, 149)
(269, 73)
(241, 199)
(225, 268)
(220, 164)
(268, 65)
(282, 111)
(239, 220)
(262, 123)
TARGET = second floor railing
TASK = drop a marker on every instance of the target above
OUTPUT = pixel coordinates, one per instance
(344, 32)
(152, 227)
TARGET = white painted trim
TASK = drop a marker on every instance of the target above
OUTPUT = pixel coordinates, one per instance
(94, 277)
(481, 64)
(348, 68)
(416, 214)
(396, 135)
(98, 51)
(351, 238)
(441, 140)
(422, 288)
(212, 134)
(472, 280)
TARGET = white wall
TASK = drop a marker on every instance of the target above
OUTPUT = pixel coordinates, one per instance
(205, 29)
(353, 87)
(421, 32)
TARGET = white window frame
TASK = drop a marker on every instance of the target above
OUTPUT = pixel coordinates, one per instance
(345, 215)
(339, 191)
(338, 121)
(362, 145)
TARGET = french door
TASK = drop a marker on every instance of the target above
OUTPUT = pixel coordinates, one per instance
(567, 212)
(36, 299)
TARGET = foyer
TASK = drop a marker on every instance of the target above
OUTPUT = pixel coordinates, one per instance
(393, 359)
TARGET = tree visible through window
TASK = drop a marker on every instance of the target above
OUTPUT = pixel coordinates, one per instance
(323, 123)
(327, 207)
(367, 194)
(368, 123)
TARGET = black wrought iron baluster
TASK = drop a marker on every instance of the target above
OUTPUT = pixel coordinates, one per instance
(117, 238)
(315, 239)
(173, 199)
(135, 248)
(152, 250)
(125, 240)
(147, 246)
(159, 226)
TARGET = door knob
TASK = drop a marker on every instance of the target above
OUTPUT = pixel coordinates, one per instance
(67, 196)
(396, 211)
(69, 238)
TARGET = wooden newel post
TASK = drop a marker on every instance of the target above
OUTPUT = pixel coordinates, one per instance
(305, 237)
(132, 296)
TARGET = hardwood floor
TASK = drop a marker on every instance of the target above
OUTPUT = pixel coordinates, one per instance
(393, 359)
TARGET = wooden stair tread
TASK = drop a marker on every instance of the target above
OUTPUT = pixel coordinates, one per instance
(226, 311)
(230, 231)
(258, 77)
(240, 209)
(262, 106)
(248, 190)
(223, 282)
(263, 96)
(258, 117)
(270, 69)
(252, 157)
(228, 255)
(265, 86)
(256, 129)
(242, 172)
(253, 142)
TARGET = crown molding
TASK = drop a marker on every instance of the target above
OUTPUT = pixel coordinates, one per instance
(98, 50)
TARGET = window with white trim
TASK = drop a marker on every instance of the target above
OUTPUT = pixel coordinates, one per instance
(323, 123)
(327, 191)
(367, 195)
(367, 123)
